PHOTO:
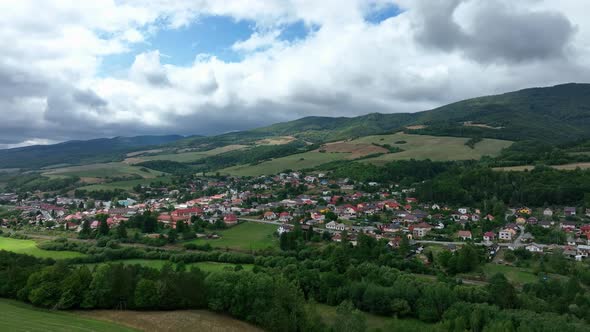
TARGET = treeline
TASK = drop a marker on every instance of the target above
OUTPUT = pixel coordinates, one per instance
(543, 185)
(37, 182)
(167, 166)
(539, 153)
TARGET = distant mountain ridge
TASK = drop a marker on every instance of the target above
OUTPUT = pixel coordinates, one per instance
(553, 115)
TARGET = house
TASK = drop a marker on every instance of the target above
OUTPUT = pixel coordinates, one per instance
(285, 228)
(230, 219)
(188, 212)
(524, 211)
(335, 226)
(569, 211)
(568, 226)
(506, 234)
(527, 237)
(392, 228)
(420, 230)
(285, 217)
(548, 213)
(464, 235)
(489, 236)
(463, 210)
(534, 248)
(545, 224)
(269, 215)
(532, 221)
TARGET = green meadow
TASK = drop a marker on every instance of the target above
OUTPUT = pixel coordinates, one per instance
(29, 247)
(244, 236)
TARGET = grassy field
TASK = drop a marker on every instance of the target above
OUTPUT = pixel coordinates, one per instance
(29, 247)
(125, 185)
(433, 147)
(328, 315)
(159, 263)
(114, 169)
(514, 274)
(16, 316)
(565, 167)
(178, 320)
(415, 147)
(245, 236)
(183, 157)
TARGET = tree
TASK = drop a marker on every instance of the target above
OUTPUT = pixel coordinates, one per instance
(103, 226)
(122, 230)
(85, 232)
(349, 319)
(146, 294)
(502, 293)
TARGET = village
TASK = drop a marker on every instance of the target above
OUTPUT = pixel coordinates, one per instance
(338, 210)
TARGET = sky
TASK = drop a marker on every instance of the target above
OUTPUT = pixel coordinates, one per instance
(73, 69)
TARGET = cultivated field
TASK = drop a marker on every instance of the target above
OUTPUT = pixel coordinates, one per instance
(104, 170)
(245, 236)
(29, 247)
(179, 320)
(415, 147)
(16, 316)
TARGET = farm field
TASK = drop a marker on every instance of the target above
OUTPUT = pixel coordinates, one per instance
(565, 167)
(159, 263)
(178, 320)
(374, 322)
(245, 236)
(125, 185)
(438, 148)
(29, 247)
(16, 316)
(114, 169)
(297, 161)
(183, 157)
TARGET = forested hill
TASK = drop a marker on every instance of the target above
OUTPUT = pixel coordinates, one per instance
(75, 152)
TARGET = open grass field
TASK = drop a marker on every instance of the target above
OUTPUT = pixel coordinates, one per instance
(415, 147)
(29, 247)
(565, 167)
(183, 157)
(17, 316)
(103, 170)
(159, 263)
(178, 320)
(245, 236)
(328, 315)
(438, 148)
(125, 185)
(518, 275)
(297, 161)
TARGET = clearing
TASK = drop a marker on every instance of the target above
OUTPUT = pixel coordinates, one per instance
(178, 320)
(246, 236)
(29, 247)
(17, 316)
(439, 148)
(105, 170)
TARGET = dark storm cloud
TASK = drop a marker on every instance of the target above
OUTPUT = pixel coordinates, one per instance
(497, 33)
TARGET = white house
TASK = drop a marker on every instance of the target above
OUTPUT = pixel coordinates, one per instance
(534, 248)
(335, 226)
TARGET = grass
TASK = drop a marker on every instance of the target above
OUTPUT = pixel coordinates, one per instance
(184, 157)
(16, 316)
(102, 170)
(374, 322)
(29, 247)
(126, 184)
(439, 148)
(159, 263)
(177, 320)
(245, 236)
(519, 275)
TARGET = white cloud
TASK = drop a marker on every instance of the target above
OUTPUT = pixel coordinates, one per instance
(50, 89)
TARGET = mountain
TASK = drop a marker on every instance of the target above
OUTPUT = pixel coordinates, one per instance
(552, 115)
(77, 152)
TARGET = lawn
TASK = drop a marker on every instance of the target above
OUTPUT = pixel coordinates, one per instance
(374, 322)
(519, 275)
(159, 263)
(245, 236)
(125, 185)
(29, 247)
(102, 170)
(16, 316)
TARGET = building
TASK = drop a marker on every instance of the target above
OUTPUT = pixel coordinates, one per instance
(534, 248)
(420, 230)
(332, 225)
(506, 234)
(489, 236)
(569, 211)
(464, 235)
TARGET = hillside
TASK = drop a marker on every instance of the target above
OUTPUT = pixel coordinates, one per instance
(77, 152)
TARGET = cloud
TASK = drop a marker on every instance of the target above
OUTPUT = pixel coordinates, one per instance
(432, 53)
